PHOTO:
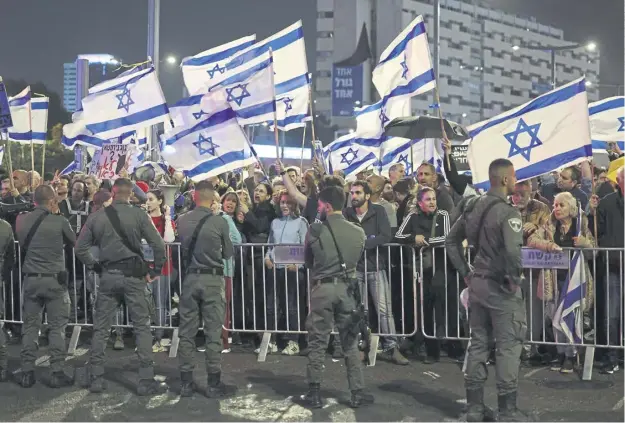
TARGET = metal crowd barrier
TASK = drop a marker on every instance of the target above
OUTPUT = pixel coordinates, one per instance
(602, 275)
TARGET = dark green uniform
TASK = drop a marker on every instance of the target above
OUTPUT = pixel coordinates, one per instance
(330, 301)
(114, 286)
(7, 258)
(42, 288)
(203, 287)
(496, 305)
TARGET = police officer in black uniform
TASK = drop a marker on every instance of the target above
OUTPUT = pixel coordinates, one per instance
(496, 305)
(7, 259)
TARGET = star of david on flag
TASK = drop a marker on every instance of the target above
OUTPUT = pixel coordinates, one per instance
(349, 156)
(622, 122)
(129, 102)
(513, 139)
(205, 150)
(287, 103)
(383, 117)
(243, 94)
(198, 115)
(404, 67)
(607, 123)
(215, 69)
(403, 158)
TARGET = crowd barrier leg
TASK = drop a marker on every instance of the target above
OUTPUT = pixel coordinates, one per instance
(373, 352)
(264, 347)
(589, 359)
(73, 341)
(175, 341)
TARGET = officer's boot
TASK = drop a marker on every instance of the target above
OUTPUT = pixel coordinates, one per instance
(217, 389)
(96, 384)
(187, 386)
(313, 396)
(4, 374)
(150, 387)
(60, 380)
(360, 398)
(476, 410)
(508, 411)
(28, 379)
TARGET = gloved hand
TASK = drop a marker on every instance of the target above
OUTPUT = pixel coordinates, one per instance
(97, 267)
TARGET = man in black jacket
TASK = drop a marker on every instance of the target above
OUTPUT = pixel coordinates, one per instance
(375, 223)
(610, 234)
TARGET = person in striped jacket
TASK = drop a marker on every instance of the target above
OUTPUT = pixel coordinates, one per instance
(425, 227)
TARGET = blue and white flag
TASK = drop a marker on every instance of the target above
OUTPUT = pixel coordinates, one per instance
(290, 71)
(249, 90)
(76, 133)
(568, 317)
(548, 133)
(129, 102)
(21, 132)
(406, 62)
(20, 106)
(208, 148)
(351, 154)
(138, 138)
(69, 168)
(397, 150)
(208, 67)
(607, 122)
(371, 119)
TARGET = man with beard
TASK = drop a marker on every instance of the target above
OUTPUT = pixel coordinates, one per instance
(376, 183)
(427, 176)
(372, 266)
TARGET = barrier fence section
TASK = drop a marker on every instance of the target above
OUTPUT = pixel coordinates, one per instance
(594, 299)
(409, 293)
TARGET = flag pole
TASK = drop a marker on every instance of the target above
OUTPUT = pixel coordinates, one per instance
(440, 116)
(312, 116)
(301, 160)
(275, 110)
(7, 146)
(32, 144)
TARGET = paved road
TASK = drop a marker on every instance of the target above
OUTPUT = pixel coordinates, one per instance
(269, 392)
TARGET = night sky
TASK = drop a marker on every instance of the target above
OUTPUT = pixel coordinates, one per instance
(38, 36)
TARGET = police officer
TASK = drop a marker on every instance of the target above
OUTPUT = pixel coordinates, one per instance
(496, 305)
(331, 301)
(203, 289)
(7, 259)
(42, 233)
(117, 230)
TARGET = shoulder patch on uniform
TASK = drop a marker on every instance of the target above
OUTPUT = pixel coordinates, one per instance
(516, 224)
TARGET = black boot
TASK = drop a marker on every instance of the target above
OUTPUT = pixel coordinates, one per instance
(4, 374)
(476, 410)
(217, 389)
(187, 386)
(313, 396)
(150, 387)
(508, 411)
(60, 380)
(96, 384)
(360, 398)
(27, 380)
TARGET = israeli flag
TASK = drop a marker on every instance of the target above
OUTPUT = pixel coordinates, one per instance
(38, 121)
(569, 315)
(548, 133)
(249, 90)
(372, 119)
(69, 168)
(208, 148)
(208, 67)
(20, 107)
(76, 133)
(131, 101)
(138, 138)
(406, 62)
(607, 122)
(291, 77)
(352, 154)
(397, 150)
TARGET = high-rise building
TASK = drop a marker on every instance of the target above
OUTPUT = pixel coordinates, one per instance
(101, 68)
(481, 72)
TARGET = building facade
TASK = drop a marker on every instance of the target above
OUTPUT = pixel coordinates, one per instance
(480, 73)
(101, 68)
(69, 87)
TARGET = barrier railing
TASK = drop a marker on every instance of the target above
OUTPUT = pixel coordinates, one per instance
(406, 299)
(596, 304)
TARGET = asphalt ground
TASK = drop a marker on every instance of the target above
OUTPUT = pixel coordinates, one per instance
(270, 391)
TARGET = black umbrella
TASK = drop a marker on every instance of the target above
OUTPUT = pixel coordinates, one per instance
(420, 127)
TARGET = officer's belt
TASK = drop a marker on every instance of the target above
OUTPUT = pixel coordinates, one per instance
(122, 264)
(41, 275)
(213, 271)
(333, 279)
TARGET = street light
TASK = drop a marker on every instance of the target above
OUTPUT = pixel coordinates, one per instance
(588, 83)
(590, 46)
(171, 60)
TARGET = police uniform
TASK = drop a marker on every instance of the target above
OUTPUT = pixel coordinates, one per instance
(203, 292)
(496, 304)
(7, 259)
(116, 286)
(330, 301)
(45, 285)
